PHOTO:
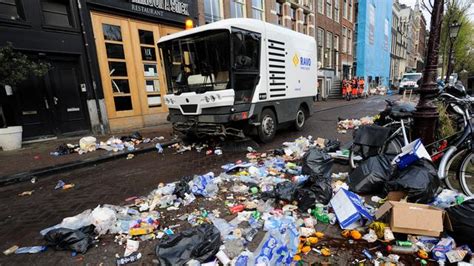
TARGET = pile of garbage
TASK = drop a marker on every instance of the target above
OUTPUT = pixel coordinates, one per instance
(275, 208)
(345, 124)
(113, 144)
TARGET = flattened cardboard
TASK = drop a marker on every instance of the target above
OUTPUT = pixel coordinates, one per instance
(412, 218)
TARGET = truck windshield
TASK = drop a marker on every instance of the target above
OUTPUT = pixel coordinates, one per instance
(415, 77)
(198, 63)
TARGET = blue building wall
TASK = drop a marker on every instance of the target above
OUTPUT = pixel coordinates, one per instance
(374, 39)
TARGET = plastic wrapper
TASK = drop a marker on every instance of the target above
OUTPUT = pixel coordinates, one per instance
(370, 175)
(67, 239)
(462, 221)
(200, 243)
(420, 182)
(203, 185)
(103, 219)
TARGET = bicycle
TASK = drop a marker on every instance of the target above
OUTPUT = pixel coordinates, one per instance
(461, 152)
(456, 163)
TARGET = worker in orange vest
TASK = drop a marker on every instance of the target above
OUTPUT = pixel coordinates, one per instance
(361, 86)
(354, 87)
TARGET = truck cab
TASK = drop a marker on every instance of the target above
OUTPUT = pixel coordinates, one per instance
(239, 76)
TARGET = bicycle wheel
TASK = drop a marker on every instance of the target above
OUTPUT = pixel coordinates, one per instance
(452, 170)
(466, 174)
(358, 153)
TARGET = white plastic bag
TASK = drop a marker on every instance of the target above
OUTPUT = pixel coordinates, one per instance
(103, 219)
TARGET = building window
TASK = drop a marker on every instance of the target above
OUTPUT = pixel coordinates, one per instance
(344, 9)
(293, 18)
(349, 42)
(320, 43)
(344, 39)
(349, 10)
(11, 9)
(57, 13)
(279, 13)
(237, 9)
(321, 6)
(336, 10)
(329, 48)
(212, 10)
(336, 50)
(329, 8)
(258, 9)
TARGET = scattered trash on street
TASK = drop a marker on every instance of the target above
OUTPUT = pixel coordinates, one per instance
(280, 203)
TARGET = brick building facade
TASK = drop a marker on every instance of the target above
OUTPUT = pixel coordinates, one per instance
(335, 20)
(297, 15)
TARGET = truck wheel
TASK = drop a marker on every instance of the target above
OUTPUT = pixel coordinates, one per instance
(267, 127)
(300, 119)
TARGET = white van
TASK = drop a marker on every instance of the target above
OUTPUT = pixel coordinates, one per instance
(239, 76)
(409, 82)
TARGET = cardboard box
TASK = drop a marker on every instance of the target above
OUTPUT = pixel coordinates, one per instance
(412, 218)
(349, 209)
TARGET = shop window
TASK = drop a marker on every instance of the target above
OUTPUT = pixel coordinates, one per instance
(120, 86)
(212, 10)
(11, 9)
(115, 51)
(112, 32)
(57, 13)
(123, 103)
(148, 53)
(258, 9)
(117, 69)
(146, 37)
(237, 8)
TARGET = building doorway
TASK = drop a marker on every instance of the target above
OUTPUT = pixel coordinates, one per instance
(56, 103)
(131, 70)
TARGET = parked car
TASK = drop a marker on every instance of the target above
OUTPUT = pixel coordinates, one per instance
(409, 82)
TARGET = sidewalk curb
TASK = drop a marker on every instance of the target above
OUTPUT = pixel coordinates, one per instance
(24, 176)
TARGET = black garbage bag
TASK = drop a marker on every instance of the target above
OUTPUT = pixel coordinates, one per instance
(68, 239)
(305, 198)
(332, 145)
(317, 163)
(419, 180)
(321, 187)
(462, 221)
(368, 139)
(370, 176)
(200, 243)
(282, 191)
(134, 136)
(182, 187)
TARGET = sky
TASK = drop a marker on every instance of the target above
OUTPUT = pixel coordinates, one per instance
(428, 16)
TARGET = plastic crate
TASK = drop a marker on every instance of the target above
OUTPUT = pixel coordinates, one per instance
(410, 154)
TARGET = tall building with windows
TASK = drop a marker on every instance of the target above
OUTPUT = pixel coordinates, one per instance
(335, 21)
(398, 45)
(374, 41)
(297, 15)
(106, 72)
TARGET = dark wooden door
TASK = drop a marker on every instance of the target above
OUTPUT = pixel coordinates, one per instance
(66, 95)
(56, 103)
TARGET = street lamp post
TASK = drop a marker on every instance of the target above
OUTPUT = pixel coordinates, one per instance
(426, 115)
(453, 34)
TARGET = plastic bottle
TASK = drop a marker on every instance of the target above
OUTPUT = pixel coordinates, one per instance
(129, 259)
(245, 258)
(31, 250)
(402, 249)
(251, 234)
